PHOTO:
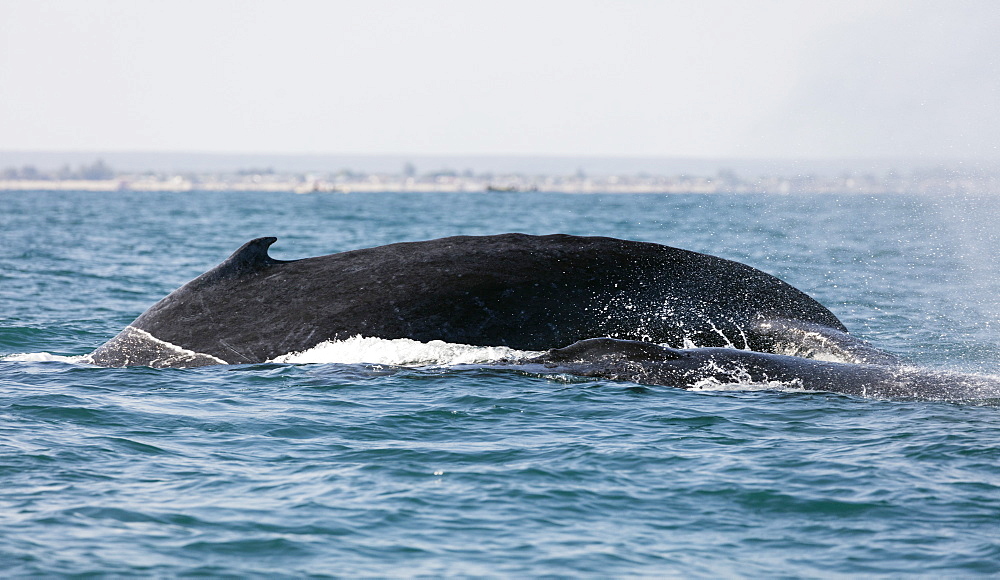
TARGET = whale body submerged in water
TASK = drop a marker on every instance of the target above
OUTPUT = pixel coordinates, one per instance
(538, 293)
(524, 292)
(649, 363)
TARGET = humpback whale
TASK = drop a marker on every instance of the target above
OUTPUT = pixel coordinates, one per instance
(653, 364)
(597, 307)
(522, 291)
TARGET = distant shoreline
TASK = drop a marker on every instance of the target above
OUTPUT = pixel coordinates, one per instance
(487, 175)
(506, 184)
(180, 162)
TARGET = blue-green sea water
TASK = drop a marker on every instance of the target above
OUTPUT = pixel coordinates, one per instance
(386, 470)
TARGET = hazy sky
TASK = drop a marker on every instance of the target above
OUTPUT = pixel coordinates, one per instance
(746, 78)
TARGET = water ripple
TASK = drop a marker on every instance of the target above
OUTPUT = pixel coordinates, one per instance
(279, 470)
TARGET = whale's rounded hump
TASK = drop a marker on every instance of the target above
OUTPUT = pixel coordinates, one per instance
(521, 291)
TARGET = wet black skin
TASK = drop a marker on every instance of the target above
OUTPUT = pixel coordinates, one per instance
(525, 292)
(652, 364)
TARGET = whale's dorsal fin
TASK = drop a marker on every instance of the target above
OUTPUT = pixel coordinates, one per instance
(251, 257)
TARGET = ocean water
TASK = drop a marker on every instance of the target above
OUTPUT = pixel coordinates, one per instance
(396, 459)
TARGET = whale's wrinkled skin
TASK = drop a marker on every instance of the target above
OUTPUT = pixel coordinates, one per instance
(521, 291)
(652, 364)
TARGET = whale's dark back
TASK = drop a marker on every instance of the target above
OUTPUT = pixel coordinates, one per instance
(526, 292)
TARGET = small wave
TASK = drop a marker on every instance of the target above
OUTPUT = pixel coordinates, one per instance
(747, 384)
(739, 378)
(43, 357)
(402, 352)
(713, 385)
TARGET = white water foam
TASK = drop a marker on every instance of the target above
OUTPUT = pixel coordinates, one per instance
(747, 384)
(403, 352)
(43, 357)
(739, 379)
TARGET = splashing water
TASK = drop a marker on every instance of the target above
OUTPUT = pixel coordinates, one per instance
(402, 352)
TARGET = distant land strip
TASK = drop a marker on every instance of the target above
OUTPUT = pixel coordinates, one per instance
(99, 177)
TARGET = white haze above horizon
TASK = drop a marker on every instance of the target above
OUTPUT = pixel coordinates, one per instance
(724, 78)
